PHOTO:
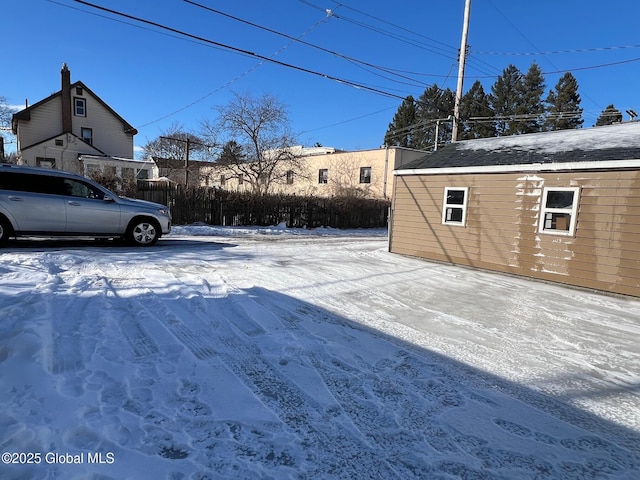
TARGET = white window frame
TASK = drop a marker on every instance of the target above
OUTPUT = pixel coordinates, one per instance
(545, 212)
(447, 207)
(87, 134)
(79, 107)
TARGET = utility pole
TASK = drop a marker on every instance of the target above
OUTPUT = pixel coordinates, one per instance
(461, 62)
(186, 165)
(188, 143)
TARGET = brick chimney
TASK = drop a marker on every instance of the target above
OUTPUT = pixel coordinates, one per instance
(66, 99)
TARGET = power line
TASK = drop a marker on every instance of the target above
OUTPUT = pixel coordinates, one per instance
(453, 51)
(326, 50)
(227, 84)
(387, 33)
(490, 119)
(398, 27)
(556, 52)
(243, 51)
(348, 121)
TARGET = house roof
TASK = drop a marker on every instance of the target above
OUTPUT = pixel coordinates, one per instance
(607, 143)
(26, 113)
(62, 135)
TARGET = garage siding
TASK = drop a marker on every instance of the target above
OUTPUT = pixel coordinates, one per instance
(503, 215)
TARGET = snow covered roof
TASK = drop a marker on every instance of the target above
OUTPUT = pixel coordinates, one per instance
(608, 143)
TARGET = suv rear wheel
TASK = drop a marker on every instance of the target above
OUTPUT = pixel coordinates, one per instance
(143, 232)
(5, 230)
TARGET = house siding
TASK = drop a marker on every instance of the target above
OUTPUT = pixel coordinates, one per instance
(108, 131)
(65, 156)
(45, 122)
(501, 232)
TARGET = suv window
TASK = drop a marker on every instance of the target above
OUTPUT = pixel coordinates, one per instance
(76, 188)
(26, 182)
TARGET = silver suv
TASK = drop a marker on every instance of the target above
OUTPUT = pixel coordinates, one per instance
(45, 202)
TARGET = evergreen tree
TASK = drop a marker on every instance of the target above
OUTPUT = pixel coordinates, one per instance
(401, 128)
(433, 106)
(476, 114)
(505, 100)
(609, 116)
(231, 153)
(530, 108)
(563, 105)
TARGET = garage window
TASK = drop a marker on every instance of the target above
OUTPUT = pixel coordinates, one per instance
(559, 210)
(454, 211)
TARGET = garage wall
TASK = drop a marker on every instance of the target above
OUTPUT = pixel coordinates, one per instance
(502, 226)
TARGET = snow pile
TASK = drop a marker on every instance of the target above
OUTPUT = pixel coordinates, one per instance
(275, 353)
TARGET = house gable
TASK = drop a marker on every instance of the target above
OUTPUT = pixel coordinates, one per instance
(91, 126)
(54, 102)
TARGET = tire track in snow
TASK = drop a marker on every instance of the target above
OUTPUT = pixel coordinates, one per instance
(234, 325)
(385, 402)
(68, 323)
(396, 400)
(128, 315)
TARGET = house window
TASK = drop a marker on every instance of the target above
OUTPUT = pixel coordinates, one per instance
(59, 142)
(323, 175)
(223, 180)
(45, 162)
(78, 90)
(87, 135)
(80, 107)
(240, 179)
(365, 174)
(289, 177)
(454, 211)
(559, 210)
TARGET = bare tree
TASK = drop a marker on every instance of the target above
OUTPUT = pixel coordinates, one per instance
(345, 178)
(258, 138)
(173, 143)
(6, 112)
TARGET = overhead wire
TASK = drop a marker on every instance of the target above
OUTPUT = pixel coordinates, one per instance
(558, 70)
(348, 120)
(557, 52)
(229, 83)
(237, 50)
(515, 118)
(248, 53)
(452, 53)
(312, 45)
(219, 45)
(455, 50)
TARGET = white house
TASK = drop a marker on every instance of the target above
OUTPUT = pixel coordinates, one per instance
(71, 126)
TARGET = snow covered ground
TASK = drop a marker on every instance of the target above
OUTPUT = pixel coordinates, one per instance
(269, 353)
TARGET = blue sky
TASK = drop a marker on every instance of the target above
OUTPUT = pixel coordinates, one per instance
(155, 79)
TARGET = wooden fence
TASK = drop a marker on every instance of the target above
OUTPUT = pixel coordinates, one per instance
(218, 207)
